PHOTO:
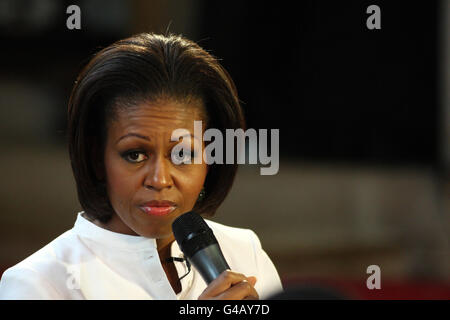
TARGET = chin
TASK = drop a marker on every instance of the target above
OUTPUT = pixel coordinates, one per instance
(154, 227)
(155, 233)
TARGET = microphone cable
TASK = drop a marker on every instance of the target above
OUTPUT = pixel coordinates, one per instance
(177, 259)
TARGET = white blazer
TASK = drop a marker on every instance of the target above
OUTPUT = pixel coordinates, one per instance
(89, 262)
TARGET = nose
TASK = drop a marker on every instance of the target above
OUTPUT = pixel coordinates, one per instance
(158, 176)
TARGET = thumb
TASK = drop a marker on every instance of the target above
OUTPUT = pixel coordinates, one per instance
(252, 280)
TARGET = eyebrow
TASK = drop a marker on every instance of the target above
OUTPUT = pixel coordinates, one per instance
(133, 134)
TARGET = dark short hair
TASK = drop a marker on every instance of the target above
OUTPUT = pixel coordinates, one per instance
(146, 67)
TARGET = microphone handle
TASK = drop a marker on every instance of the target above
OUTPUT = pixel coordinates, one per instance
(209, 262)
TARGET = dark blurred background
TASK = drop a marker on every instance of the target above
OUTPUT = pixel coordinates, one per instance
(364, 119)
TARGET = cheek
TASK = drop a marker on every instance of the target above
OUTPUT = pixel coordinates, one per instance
(120, 184)
(191, 184)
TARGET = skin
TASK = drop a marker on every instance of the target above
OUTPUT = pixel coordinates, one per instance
(147, 173)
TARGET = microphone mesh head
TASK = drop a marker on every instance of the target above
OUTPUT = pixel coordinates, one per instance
(187, 224)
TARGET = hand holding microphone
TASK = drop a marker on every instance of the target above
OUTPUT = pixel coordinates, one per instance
(231, 286)
(201, 248)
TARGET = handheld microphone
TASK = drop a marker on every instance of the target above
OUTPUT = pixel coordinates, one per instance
(197, 241)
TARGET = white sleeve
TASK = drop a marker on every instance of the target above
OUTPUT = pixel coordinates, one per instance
(19, 283)
(268, 281)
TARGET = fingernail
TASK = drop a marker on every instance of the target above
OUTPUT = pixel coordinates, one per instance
(254, 278)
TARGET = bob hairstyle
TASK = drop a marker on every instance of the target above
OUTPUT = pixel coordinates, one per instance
(146, 68)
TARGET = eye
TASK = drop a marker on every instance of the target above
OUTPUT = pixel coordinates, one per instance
(133, 156)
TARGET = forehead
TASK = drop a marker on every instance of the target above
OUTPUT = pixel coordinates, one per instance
(157, 117)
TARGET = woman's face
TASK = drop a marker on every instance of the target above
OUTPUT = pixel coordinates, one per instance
(139, 169)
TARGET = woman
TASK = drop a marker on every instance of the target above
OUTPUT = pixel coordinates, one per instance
(124, 107)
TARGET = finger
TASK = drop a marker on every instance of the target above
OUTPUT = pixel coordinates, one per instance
(252, 280)
(240, 291)
(222, 283)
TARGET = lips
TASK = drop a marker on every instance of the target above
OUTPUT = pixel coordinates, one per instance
(158, 207)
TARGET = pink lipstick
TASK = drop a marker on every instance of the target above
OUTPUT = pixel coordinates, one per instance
(158, 208)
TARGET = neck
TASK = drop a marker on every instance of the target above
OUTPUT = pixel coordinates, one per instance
(164, 245)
